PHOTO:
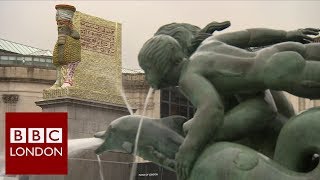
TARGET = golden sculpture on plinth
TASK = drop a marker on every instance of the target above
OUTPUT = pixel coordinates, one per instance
(98, 77)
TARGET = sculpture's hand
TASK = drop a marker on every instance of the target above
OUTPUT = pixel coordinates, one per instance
(75, 34)
(61, 39)
(185, 159)
(302, 35)
(162, 159)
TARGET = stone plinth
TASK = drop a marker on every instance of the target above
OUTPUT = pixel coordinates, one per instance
(20, 86)
(94, 99)
(85, 118)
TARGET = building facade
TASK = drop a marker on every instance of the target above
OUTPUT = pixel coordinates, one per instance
(135, 89)
(24, 72)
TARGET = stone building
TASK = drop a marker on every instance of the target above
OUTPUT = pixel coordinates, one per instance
(136, 89)
(24, 72)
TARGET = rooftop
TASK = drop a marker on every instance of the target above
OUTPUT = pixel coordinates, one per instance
(27, 55)
(22, 49)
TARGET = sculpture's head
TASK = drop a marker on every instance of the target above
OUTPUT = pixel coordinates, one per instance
(190, 36)
(120, 135)
(114, 142)
(182, 32)
(157, 57)
(64, 17)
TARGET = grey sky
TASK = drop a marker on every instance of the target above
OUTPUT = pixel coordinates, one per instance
(33, 22)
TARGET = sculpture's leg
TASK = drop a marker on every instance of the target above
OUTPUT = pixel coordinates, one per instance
(289, 71)
(58, 83)
(251, 116)
(307, 51)
(69, 76)
(312, 52)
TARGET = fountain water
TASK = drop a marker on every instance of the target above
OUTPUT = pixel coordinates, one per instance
(126, 101)
(77, 146)
(100, 168)
(134, 166)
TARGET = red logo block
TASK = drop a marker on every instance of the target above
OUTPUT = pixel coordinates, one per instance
(36, 143)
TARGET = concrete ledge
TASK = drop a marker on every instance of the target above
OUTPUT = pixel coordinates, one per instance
(72, 100)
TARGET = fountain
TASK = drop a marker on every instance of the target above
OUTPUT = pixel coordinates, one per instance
(222, 159)
(211, 145)
(100, 168)
(77, 146)
(136, 142)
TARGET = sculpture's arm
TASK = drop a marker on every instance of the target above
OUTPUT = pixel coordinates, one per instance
(284, 106)
(207, 119)
(75, 34)
(258, 37)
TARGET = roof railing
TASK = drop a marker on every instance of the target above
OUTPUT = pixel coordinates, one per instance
(29, 60)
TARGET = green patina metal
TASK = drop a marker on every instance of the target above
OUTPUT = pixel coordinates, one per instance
(160, 140)
(236, 96)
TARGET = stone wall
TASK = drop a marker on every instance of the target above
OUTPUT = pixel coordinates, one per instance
(20, 87)
(301, 104)
(136, 89)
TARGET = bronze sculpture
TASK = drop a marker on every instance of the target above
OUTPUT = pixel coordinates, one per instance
(271, 106)
(220, 68)
(160, 138)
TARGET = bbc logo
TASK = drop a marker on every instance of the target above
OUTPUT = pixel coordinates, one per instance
(35, 135)
(36, 143)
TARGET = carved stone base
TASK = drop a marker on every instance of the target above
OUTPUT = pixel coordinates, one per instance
(85, 118)
(76, 92)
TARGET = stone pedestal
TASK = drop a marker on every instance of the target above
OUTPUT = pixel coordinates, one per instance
(94, 99)
(85, 118)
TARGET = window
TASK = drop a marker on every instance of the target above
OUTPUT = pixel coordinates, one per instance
(48, 60)
(12, 58)
(172, 102)
(28, 58)
(4, 58)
